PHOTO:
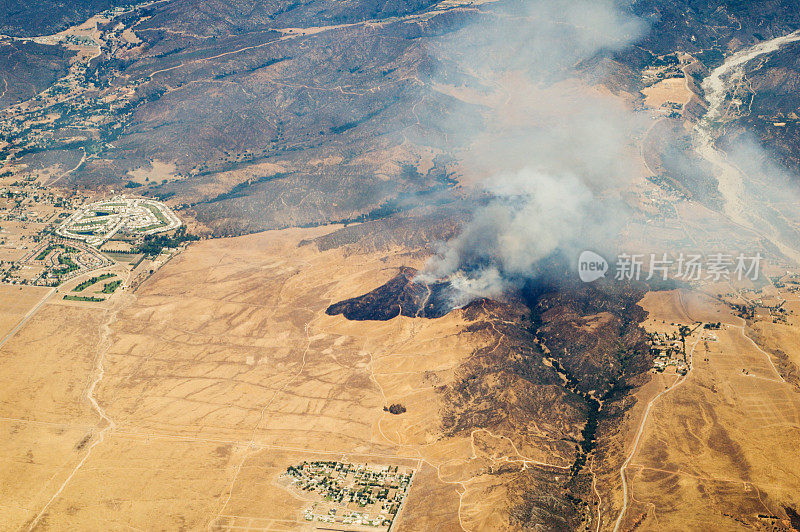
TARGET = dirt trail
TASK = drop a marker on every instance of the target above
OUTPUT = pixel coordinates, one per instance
(680, 380)
(27, 316)
(106, 422)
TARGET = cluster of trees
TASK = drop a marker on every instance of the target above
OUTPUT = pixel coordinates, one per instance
(395, 409)
(153, 244)
(67, 265)
(108, 288)
(89, 282)
(83, 298)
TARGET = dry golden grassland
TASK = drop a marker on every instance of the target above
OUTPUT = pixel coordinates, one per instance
(15, 303)
(718, 449)
(670, 90)
(181, 405)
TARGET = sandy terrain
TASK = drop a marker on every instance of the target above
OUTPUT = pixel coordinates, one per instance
(15, 303)
(716, 451)
(159, 171)
(180, 406)
(670, 90)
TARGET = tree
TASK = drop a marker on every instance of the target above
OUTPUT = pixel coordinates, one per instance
(395, 409)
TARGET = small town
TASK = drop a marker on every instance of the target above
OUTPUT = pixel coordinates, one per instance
(98, 222)
(49, 237)
(766, 303)
(669, 349)
(359, 495)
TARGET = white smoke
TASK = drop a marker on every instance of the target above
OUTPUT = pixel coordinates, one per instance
(552, 151)
(531, 214)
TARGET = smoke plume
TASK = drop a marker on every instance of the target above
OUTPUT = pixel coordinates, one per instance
(552, 152)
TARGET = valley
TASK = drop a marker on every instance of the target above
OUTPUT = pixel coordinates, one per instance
(310, 266)
(213, 392)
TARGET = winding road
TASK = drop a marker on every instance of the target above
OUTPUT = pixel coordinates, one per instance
(680, 380)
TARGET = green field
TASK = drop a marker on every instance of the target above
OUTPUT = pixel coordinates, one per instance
(90, 223)
(157, 213)
(149, 227)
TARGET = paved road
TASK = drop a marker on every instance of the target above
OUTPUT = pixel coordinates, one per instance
(30, 313)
